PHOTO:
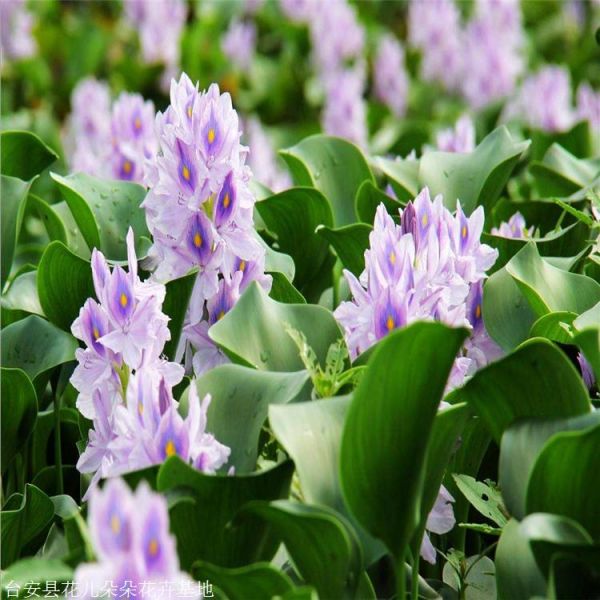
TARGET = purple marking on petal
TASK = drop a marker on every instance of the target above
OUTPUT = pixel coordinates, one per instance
(200, 238)
(122, 300)
(126, 169)
(226, 201)
(389, 315)
(211, 135)
(186, 168)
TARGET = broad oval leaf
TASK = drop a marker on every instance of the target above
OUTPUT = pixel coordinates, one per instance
(24, 155)
(349, 243)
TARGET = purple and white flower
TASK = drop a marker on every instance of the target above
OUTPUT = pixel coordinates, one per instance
(16, 23)
(239, 43)
(515, 228)
(460, 138)
(390, 77)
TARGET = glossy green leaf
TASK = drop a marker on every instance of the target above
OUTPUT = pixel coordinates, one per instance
(588, 337)
(388, 425)
(201, 526)
(14, 200)
(475, 178)
(293, 217)
(19, 409)
(349, 243)
(282, 290)
(536, 380)
(104, 210)
(240, 402)
(253, 332)
(258, 580)
(561, 476)
(335, 167)
(55, 228)
(315, 449)
(24, 155)
(22, 295)
(402, 174)
(554, 326)
(517, 575)
(177, 298)
(369, 197)
(64, 283)
(548, 288)
(323, 549)
(74, 238)
(36, 346)
(519, 448)
(24, 516)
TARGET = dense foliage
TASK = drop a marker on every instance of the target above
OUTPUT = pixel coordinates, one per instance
(300, 299)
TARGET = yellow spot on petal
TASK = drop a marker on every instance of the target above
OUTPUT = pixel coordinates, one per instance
(220, 315)
(95, 333)
(115, 524)
(478, 311)
(424, 220)
(242, 265)
(197, 240)
(464, 232)
(127, 167)
(189, 111)
(390, 323)
(153, 547)
(392, 257)
(123, 300)
(140, 408)
(185, 172)
(170, 449)
(211, 135)
(226, 200)
(137, 123)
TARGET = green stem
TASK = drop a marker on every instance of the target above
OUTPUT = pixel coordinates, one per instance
(58, 447)
(415, 576)
(335, 276)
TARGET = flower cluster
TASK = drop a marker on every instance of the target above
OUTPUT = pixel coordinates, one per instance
(427, 267)
(199, 209)
(16, 39)
(460, 138)
(481, 60)
(159, 24)
(239, 43)
(262, 158)
(515, 228)
(133, 546)
(390, 77)
(125, 385)
(113, 142)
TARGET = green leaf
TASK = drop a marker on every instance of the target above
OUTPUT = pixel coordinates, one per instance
(283, 291)
(19, 409)
(388, 425)
(368, 198)
(479, 582)
(293, 217)
(484, 498)
(49, 217)
(37, 570)
(402, 174)
(240, 402)
(253, 331)
(554, 326)
(315, 449)
(507, 315)
(24, 155)
(24, 517)
(349, 243)
(561, 476)
(201, 527)
(64, 283)
(476, 178)
(74, 238)
(22, 296)
(14, 200)
(548, 288)
(104, 211)
(335, 167)
(517, 575)
(36, 346)
(520, 446)
(259, 580)
(177, 298)
(537, 380)
(323, 549)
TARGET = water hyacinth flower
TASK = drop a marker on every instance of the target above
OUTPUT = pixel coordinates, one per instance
(421, 269)
(136, 554)
(544, 100)
(112, 142)
(299, 11)
(239, 43)
(515, 228)
(434, 28)
(16, 23)
(262, 158)
(588, 106)
(199, 207)
(390, 77)
(460, 138)
(440, 520)
(587, 373)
